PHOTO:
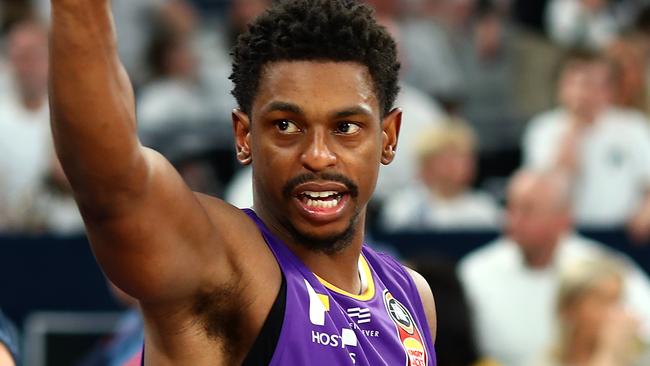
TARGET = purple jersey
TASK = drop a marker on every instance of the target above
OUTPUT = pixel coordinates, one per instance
(324, 325)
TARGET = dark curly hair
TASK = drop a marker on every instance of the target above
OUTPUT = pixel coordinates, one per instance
(327, 30)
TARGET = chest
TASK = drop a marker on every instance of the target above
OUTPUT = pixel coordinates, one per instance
(326, 328)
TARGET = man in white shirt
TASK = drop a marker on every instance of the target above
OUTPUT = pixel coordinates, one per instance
(25, 137)
(605, 150)
(512, 282)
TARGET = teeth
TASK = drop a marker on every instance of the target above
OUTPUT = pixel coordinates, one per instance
(323, 204)
(320, 194)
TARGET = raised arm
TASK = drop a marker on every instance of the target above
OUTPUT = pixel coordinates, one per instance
(151, 234)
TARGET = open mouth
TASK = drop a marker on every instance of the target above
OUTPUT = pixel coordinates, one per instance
(321, 200)
(322, 203)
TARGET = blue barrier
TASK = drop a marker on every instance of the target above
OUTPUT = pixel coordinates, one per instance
(61, 274)
(454, 245)
(44, 273)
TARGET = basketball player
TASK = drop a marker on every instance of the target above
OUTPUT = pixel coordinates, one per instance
(290, 283)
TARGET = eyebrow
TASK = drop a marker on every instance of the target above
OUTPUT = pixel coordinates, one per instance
(293, 108)
(283, 107)
(352, 111)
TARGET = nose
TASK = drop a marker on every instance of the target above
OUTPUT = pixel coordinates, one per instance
(317, 154)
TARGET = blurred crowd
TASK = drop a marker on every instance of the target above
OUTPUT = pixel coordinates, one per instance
(527, 117)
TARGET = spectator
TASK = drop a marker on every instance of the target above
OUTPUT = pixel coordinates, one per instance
(426, 53)
(25, 142)
(240, 14)
(455, 341)
(605, 150)
(8, 343)
(190, 65)
(512, 283)
(133, 25)
(594, 329)
(581, 23)
(419, 113)
(441, 197)
(629, 55)
(487, 62)
(174, 95)
(429, 50)
(50, 208)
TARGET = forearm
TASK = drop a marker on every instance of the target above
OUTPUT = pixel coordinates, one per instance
(93, 112)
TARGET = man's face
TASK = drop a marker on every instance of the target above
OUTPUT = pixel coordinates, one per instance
(591, 310)
(28, 55)
(535, 218)
(316, 139)
(585, 88)
(453, 167)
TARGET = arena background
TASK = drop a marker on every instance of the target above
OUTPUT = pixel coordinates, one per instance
(490, 65)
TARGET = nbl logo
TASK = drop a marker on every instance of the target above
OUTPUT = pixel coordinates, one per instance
(407, 331)
(400, 315)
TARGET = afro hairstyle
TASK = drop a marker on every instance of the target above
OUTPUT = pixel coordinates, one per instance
(315, 30)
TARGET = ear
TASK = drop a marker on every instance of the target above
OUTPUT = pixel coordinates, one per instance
(390, 134)
(241, 126)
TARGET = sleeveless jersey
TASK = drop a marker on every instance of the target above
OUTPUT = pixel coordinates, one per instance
(326, 326)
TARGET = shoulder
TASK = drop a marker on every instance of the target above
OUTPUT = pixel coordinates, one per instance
(426, 296)
(578, 247)
(626, 122)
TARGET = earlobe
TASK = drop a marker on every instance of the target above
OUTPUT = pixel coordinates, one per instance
(388, 155)
(241, 128)
(391, 127)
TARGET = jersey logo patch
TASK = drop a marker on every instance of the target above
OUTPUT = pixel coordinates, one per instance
(362, 315)
(319, 304)
(409, 335)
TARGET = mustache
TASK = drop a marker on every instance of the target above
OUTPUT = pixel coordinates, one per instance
(291, 185)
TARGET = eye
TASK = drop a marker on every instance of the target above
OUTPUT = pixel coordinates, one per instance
(347, 128)
(287, 126)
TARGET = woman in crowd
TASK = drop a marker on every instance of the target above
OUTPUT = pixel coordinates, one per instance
(594, 329)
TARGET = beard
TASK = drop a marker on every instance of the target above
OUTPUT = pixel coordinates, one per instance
(334, 242)
(328, 244)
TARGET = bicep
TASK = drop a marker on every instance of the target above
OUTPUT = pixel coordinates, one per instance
(161, 244)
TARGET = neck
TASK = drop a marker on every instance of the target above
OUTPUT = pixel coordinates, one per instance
(32, 102)
(585, 119)
(540, 257)
(340, 268)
